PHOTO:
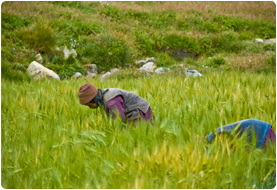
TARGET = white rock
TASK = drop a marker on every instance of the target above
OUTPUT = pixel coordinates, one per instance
(57, 49)
(106, 74)
(114, 70)
(77, 75)
(39, 58)
(270, 41)
(159, 70)
(37, 71)
(151, 59)
(66, 52)
(193, 73)
(73, 52)
(149, 67)
(92, 68)
(259, 40)
(91, 75)
(141, 62)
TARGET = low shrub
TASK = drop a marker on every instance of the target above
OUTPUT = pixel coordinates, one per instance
(8, 73)
(176, 41)
(41, 37)
(217, 61)
(163, 60)
(144, 42)
(76, 29)
(269, 47)
(67, 70)
(7, 54)
(105, 51)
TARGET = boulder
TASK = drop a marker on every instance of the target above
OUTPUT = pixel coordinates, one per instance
(66, 52)
(37, 71)
(91, 75)
(149, 67)
(151, 59)
(92, 68)
(270, 41)
(105, 75)
(114, 70)
(259, 41)
(73, 52)
(141, 62)
(77, 75)
(159, 70)
(39, 58)
(193, 73)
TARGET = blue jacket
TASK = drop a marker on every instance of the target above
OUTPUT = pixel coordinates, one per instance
(260, 128)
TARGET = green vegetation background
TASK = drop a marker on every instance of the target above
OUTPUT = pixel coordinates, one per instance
(116, 34)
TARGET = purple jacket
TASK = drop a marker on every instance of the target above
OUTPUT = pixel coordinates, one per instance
(117, 105)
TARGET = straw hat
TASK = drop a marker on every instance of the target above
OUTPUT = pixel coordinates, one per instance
(86, 93)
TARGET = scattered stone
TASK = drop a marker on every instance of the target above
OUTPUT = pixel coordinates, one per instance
(92, 68)
(73, 52)
(39, 58)
(149, 67)
(66, 52)
(114, 70)
(105, 75)
(193, 73)
(77, 75)
(151, 59)
(159, 70)
(57, 49)
(270, 41)
(259, 41)
(141, 62)
(91, 75)
(38, 71)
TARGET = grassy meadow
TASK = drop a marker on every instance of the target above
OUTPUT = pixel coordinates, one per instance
(50, 141)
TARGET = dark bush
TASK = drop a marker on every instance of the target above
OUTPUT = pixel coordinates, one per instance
(270, 47)
(105, 51)
(144, 42)
(41, 37)
(217, 61)
(8, 73)
(71, 66)
(176, 41)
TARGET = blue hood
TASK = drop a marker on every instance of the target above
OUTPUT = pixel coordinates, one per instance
(261, 129)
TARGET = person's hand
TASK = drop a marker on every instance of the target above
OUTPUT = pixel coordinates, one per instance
(206, 137)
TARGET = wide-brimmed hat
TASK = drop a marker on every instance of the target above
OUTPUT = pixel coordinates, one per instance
(86, 93)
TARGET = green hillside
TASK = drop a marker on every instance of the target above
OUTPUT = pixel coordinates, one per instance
(116, 34)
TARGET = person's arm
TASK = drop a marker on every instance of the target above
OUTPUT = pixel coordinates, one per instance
(116, 105)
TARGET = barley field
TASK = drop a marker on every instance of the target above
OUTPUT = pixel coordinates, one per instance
(49, 140)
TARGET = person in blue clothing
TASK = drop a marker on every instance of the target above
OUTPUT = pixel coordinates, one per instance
(263, 131)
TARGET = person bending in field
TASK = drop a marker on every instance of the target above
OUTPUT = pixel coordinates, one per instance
(130, 106)
(263, 131)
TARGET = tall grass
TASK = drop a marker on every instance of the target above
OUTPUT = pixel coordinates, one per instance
(48, 140)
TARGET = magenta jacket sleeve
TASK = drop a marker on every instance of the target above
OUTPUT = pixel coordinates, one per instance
(116, 104)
